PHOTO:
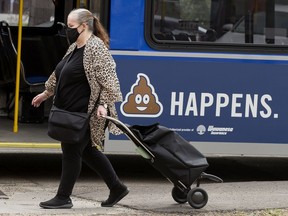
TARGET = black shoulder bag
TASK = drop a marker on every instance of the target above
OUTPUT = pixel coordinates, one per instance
(65, 126)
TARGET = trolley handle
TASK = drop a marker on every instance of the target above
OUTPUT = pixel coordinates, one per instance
(129, 134)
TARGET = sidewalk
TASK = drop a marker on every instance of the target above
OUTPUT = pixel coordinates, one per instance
(24, 198)
(145, 198)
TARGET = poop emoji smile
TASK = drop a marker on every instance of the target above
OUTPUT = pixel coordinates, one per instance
(142, 99)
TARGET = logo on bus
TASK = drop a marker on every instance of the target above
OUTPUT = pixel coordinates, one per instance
(141, 101)
(201, 130)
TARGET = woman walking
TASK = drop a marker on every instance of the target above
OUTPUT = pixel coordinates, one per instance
(88, 77)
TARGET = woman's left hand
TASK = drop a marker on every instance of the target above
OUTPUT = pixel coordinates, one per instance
(101, 111)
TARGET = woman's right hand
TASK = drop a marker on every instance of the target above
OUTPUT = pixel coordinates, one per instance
(38, 99)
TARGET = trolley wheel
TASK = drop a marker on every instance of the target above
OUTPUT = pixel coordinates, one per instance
(197, 198)
(178, 195)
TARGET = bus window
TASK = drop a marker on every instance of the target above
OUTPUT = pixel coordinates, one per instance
(262, 22)
(99, 8)
(36, 13)
(92, 5)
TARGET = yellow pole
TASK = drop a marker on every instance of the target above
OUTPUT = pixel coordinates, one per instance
(16, 108)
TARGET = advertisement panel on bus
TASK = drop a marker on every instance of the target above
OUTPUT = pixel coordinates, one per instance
(206, 100)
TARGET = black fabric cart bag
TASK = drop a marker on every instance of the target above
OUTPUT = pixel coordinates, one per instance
(175, 158)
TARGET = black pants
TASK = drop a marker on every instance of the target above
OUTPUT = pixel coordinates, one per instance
(73, 155)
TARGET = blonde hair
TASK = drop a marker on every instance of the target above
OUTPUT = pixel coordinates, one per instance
(93, 23)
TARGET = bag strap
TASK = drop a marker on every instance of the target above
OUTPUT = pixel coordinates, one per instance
(58, 82)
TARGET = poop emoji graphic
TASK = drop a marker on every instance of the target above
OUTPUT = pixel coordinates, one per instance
(141, 101)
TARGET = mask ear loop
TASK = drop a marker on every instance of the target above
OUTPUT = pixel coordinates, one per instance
(82, 30)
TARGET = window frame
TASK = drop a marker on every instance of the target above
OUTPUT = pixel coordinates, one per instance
(165, 45)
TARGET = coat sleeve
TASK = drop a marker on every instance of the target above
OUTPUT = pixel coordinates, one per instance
(50, 84)
(100, 70)
(106, 75)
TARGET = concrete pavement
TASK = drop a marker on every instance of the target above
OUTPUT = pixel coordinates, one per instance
(149, 197)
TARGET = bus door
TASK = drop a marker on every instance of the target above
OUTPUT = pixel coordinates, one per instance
(43, 45)
(41, 50)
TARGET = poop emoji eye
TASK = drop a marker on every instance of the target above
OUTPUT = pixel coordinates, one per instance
(138, 99)
(146, 99)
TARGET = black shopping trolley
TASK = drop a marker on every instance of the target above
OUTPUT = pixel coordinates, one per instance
(174, 157)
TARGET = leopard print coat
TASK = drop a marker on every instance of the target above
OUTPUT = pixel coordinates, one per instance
(100, 70)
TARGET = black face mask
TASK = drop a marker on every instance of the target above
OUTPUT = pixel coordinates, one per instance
(73, 34)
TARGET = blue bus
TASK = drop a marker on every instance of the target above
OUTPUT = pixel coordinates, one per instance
(214, 71)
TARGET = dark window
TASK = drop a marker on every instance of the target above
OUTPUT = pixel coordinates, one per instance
(36, 13)
(222, 22)
(93, 5)
(99, 8)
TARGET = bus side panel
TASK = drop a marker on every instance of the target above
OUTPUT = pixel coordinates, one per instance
(206, 100)
(125, 24)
